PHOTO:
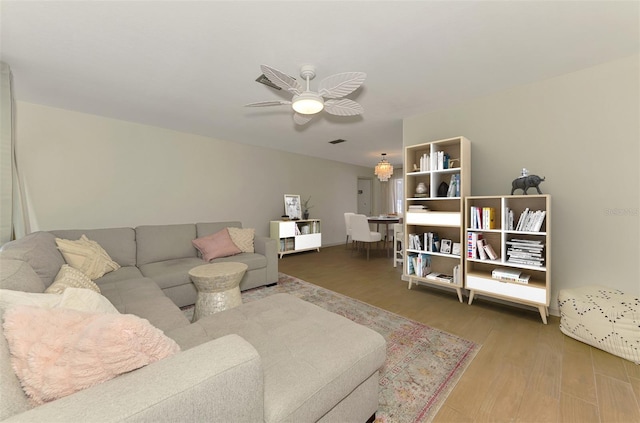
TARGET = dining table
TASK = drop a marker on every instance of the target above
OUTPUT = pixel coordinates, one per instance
(384, 220)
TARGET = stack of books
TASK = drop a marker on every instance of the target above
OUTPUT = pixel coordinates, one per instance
(482, 217)
(510, 275)
(418, 208)
(525, 251)
(529, 221)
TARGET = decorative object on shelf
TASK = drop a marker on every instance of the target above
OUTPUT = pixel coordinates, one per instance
(526, 181)
(306, 103)
(421, 189)
(292, 206)
(443, 188)
(306, 207)
(384, 169)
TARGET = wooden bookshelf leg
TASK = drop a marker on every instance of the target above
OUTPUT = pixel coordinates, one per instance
(543, 314)
(459, 291)
(471, 294)
(409, 287)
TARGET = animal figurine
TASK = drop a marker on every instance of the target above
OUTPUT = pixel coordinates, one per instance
(526, 182)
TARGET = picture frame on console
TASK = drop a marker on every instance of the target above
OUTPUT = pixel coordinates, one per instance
(292, 207)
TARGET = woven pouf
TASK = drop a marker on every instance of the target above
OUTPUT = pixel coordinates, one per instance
(602, 317)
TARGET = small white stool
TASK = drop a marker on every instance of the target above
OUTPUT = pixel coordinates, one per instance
(602, 317)
(218, 286)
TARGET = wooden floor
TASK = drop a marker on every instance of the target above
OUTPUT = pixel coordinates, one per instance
(525, 371)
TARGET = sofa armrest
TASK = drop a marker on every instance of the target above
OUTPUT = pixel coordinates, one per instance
(268, 247)
(218, 381)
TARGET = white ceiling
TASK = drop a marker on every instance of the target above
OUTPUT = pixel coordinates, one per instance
(191, 66)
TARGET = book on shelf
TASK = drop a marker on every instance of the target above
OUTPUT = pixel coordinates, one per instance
(525, 251)
(425, 163)
(440, 277)
(414, 242)
(472, 244)
(482, 254)
(531, 221)
(431, 242)
(482, 217)
(454, 186)
(456, 274)
(511, 275)
(456, 249)
(490, 252)
(418, 208)
(418, 264)
(508, 216)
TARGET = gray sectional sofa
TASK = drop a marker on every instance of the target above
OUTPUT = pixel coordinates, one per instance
(165, 254)
(278, 359)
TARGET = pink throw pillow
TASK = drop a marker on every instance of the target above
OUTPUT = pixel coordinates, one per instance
(216, 245)
(56, 352)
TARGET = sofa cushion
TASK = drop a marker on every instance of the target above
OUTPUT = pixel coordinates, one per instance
(87, 256)
(216, 245)
(297, 341)
(169, 273)
(254, 261)
(165, 242)
(122, 293)
(19, 275)
(70, 277)
(40, 251)
(56, 352)
(124, 273)
(119, 243)
(243, 238)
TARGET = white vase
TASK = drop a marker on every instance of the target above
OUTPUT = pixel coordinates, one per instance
(421, 188)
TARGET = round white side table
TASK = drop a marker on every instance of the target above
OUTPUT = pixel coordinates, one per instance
(218, 286)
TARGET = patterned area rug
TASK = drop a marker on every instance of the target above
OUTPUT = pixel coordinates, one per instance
(423, 364)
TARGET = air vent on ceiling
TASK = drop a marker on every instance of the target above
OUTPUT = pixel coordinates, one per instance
(264, 80)
(338, 141)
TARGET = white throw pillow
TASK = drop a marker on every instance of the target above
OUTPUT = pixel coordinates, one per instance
(86, 300)
(73, 298)
(70, 277)
(87, 256)
(243, 238)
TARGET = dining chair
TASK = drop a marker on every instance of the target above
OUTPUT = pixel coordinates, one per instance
(361, 232)
(347, 225)
(398, 242)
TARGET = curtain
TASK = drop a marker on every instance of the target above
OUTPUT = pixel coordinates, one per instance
(13, 219)
(395, 192)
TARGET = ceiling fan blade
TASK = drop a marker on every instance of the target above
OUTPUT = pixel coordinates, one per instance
(281, 79)
(341, 84)
(301, 119)
(343, 107)
(267, 103)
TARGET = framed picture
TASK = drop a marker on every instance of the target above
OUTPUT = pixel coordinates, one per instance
(292, 206)
(445, 246)
(456, 249)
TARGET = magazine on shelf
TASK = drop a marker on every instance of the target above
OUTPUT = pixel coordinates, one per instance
(440, 277)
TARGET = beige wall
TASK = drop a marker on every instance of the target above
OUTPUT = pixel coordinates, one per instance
(581, 131)
(85, 171)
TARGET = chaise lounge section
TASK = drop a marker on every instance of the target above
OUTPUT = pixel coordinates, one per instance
(278, 359)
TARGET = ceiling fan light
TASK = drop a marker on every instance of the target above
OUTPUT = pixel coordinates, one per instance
(308, 103)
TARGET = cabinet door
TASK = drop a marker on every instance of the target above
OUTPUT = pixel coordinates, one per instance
(287, 229)
(308, 241)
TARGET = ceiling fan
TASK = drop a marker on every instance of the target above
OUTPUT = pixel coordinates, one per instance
(306, 103)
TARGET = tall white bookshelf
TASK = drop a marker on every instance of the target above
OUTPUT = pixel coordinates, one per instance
(440, 211)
